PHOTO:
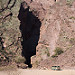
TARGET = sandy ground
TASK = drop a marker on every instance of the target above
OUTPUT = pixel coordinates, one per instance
(37, 72)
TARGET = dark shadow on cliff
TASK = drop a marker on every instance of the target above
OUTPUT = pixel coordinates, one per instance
(30, 30)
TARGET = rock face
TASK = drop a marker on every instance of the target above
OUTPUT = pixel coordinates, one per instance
(50, 24)
(57, 29)
(40, 9)
(44, 25)
(9, 30)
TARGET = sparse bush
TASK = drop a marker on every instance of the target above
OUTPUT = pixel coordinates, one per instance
(19, 60)
(72, 18)
(72, 41)
(47, 52)
(69, 2)
(36, 62)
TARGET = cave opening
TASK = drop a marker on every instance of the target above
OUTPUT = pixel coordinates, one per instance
(30, 31)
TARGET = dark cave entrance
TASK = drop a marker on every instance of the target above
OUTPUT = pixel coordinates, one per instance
(30, 30)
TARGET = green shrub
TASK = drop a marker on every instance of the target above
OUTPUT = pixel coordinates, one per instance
(53, 56)
(48, 54)
(58, 51)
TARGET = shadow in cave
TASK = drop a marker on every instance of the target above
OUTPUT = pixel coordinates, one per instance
(30, 30)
